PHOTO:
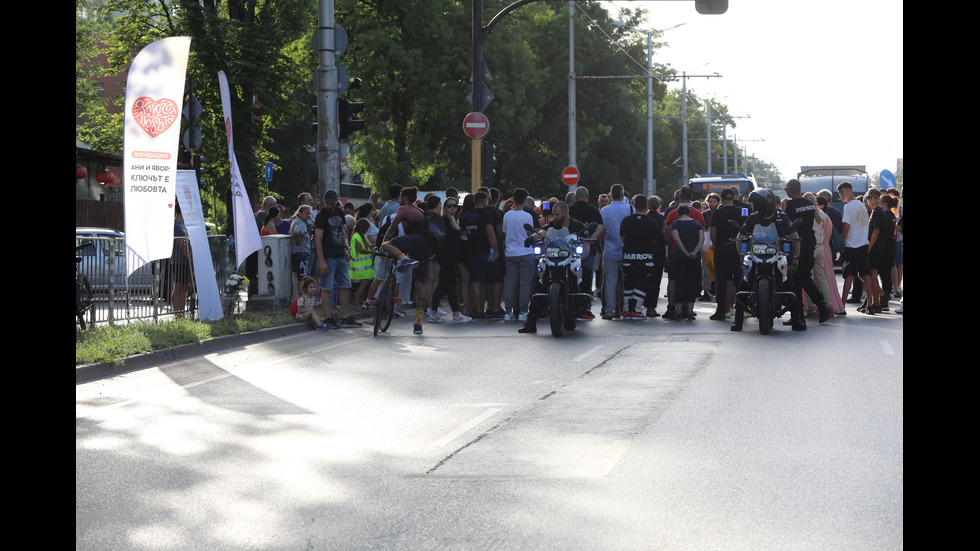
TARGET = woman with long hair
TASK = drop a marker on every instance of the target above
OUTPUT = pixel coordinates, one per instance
(823, 259)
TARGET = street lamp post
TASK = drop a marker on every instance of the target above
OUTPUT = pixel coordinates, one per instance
(649, 184)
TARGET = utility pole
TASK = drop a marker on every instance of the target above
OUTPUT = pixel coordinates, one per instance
(327, 94)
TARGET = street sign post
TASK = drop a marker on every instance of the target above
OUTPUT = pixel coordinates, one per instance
(570, 175)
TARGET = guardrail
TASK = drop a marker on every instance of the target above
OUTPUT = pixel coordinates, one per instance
(147, 295)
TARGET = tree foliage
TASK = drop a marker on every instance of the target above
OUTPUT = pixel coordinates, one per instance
(414, 60)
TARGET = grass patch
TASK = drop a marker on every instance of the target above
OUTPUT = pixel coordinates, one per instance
(112, 343)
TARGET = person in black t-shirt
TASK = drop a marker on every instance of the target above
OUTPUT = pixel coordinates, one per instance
(638, 232)
(728, 265)
(478, 225)
(877, 230)
(800, 208)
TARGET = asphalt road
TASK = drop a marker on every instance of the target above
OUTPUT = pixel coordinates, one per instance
(620, 435)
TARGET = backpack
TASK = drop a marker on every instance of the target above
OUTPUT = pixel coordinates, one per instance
(436, 230)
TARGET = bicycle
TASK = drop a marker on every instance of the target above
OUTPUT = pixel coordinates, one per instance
(384, 308)
(83, 290)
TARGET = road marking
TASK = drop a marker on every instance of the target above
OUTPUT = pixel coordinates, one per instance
(886, 348)
(586, 354)
(466, 426)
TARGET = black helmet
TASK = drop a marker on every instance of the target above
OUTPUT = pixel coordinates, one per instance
(763, 201)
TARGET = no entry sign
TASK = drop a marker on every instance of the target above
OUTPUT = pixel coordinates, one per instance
(476, 125)
(570, 175)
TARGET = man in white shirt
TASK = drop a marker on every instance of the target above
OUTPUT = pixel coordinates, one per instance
(854, 257)
(519, 260)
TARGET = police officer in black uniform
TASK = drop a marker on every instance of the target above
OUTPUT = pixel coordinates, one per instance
(765, 212)
(803, 209)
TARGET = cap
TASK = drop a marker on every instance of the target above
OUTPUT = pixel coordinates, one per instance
(331, 196)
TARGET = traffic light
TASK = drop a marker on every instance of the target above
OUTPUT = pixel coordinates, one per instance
(347, 113)
(489, 160)
(711, 7)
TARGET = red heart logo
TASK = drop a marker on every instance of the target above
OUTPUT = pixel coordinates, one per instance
(154, 116)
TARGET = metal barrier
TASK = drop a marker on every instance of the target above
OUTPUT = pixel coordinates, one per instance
(148, 293)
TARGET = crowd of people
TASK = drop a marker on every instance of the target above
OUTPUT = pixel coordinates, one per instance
(470, 253)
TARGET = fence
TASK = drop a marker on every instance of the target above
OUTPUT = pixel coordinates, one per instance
(148, 293)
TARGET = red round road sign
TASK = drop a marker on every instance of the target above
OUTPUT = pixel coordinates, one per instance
(570, 175)
(476, 125)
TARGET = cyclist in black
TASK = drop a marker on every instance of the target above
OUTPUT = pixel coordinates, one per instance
(412, 251)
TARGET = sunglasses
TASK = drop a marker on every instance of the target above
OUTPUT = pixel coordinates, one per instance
(450, 206)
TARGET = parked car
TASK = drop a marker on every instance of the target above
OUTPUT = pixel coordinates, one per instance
(105, 260)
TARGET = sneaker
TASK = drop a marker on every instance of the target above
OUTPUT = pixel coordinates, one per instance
(639, 316)
(417, 329)
(522, 317)
(334, 322)
(367, 304)
(462, 318)
(900, 309)
(436, 319)
(407, 264)
(652, 314)
(323, 327)
(717, 317)
(897, 292)
(586, 317)
(349, 322)
(508, 317)
(607, 317)
(397, 313)
(441, 312)
(498, 315)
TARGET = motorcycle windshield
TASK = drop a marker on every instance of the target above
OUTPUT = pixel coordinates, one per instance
(558, 234)
(766, 234)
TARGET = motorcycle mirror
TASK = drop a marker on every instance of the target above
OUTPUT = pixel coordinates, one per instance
(528, 227)
(792, 227)
(736, 224)
(590, 227)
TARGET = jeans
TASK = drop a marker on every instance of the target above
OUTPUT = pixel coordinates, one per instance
(610, 280)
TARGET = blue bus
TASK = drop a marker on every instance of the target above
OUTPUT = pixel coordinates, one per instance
(703, 184)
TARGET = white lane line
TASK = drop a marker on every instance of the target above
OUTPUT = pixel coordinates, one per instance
(586, 354)
(466, 426)
(886, 348)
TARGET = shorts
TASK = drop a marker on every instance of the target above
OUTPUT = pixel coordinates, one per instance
(338, 275)
(415, 246)
(481, 269)
(182, 272)
(299, 263)
(854, 261)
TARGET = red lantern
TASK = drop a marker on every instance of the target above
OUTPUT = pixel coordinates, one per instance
(80, 172)
(106, 177)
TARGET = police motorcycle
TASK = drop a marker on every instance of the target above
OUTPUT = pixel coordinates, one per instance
(559, 296)
(766, 263)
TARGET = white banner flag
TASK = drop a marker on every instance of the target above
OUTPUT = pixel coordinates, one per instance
(247, 239)
(205, 280)
(154, 95)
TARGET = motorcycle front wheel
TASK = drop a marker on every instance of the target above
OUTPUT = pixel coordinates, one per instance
(763, 297)
(555, 310)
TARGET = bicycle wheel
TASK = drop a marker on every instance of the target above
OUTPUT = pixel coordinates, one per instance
(389, 302)
(83, 299)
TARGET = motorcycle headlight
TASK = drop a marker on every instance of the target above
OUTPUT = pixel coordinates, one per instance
(537, 249)
(762, 248)
(556, 252)
(579, 249)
